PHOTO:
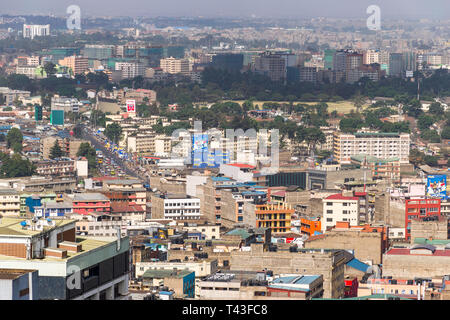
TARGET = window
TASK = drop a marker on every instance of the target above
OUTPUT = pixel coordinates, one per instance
(330, 211)
(329, 219)
(329, 203)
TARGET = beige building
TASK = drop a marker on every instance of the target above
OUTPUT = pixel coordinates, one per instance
(367, 246)
(69, 146)
(380, 145)
(418, 261)
(201, 268)
(436, 229)
(9, 202)
(175, 66)
(151, 143)
(78, 64)
(328, 263)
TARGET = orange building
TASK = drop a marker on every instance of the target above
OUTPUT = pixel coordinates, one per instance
(276, 216)
(310, 225)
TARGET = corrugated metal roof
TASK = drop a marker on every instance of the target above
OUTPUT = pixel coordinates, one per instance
(358, 265)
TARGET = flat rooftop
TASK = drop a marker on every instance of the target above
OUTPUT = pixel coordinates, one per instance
(11, 274)
(87, 244)
(95, 196)
(10, 226)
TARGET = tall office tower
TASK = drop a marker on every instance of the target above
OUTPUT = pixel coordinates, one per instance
(371, 56)
(353, 61)
(228, 61)
(410, 61)
(174, 66)
(98, 52)
(273, 64)
(339, 61)
(35, 30)
(328, 59)
(396, 66)
(130, 69)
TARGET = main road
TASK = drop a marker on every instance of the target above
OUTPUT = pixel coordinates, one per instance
(87, 134)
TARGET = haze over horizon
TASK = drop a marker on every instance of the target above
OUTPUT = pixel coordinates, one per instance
(413, 9)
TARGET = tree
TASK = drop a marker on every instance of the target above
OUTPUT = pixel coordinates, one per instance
(55, 151)
(430, 135)
(85, 150)
(114, 132)
(424, 122)
(436, 108)
(15, 166)
(14, 138)
(445, 134)
(313, 137)
(50, 68)
(431, 160)
(358, 102)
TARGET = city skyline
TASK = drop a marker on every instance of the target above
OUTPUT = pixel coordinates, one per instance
(439, 9)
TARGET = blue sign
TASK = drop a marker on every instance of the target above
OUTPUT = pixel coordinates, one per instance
(437, 186)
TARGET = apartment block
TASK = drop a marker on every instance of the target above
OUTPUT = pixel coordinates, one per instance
(175, 66)
(338, 208)
(175, 206)
(420, 208)
(9, 202)
(274, 216)
(380, 145)
(78, 64)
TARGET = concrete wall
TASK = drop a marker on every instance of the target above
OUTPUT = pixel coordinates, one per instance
(411, 266)
(328, 264)
(367, 246)
(429, 229)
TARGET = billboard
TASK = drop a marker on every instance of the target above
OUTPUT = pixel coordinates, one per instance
(131, 105)
(437, 186)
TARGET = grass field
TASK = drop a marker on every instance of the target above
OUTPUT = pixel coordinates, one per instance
(341, 107)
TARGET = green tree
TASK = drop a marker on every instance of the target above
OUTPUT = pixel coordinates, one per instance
(445, 134)
(14, 138)
(87, 151)
(55, 151)
(15, 166)
(50, 68)
(424, 122)
(114, 132)
(436, 108)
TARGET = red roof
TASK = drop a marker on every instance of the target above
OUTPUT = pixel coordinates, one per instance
(339, 196)
(104, 178)
(360, 194)
(406, 251)
(241, 165)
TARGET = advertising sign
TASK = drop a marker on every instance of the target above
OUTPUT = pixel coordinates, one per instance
(131, 105)
(437, 186)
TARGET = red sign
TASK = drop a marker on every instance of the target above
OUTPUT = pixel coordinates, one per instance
(131, 105)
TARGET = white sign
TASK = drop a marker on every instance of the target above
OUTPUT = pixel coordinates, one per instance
(131, 105)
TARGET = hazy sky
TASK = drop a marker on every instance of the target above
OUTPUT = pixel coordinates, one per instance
(432, 9)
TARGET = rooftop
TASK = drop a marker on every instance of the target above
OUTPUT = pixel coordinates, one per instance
(161, 273)
(90, 197)
(11, 226)
(339, 196)
(11, 274)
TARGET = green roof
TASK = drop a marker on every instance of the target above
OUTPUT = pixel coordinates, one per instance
(361, 157)
(432, 242)
(244, 234)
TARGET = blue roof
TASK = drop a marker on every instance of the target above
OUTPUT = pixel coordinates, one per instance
(297, 279)
(220, 179)
(358, 265)
(166, 292)
(253, 193)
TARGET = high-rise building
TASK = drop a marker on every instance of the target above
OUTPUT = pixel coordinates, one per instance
(98, 52)
(396, 66)
(78, 64)
(130, 69)
(228, 61)
(34, 30)
(272, 64)
(174, 66)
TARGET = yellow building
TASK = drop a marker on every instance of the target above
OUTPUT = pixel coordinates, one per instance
(276, 216)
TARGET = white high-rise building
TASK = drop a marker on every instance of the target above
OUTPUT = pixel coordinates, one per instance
(33, 30)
